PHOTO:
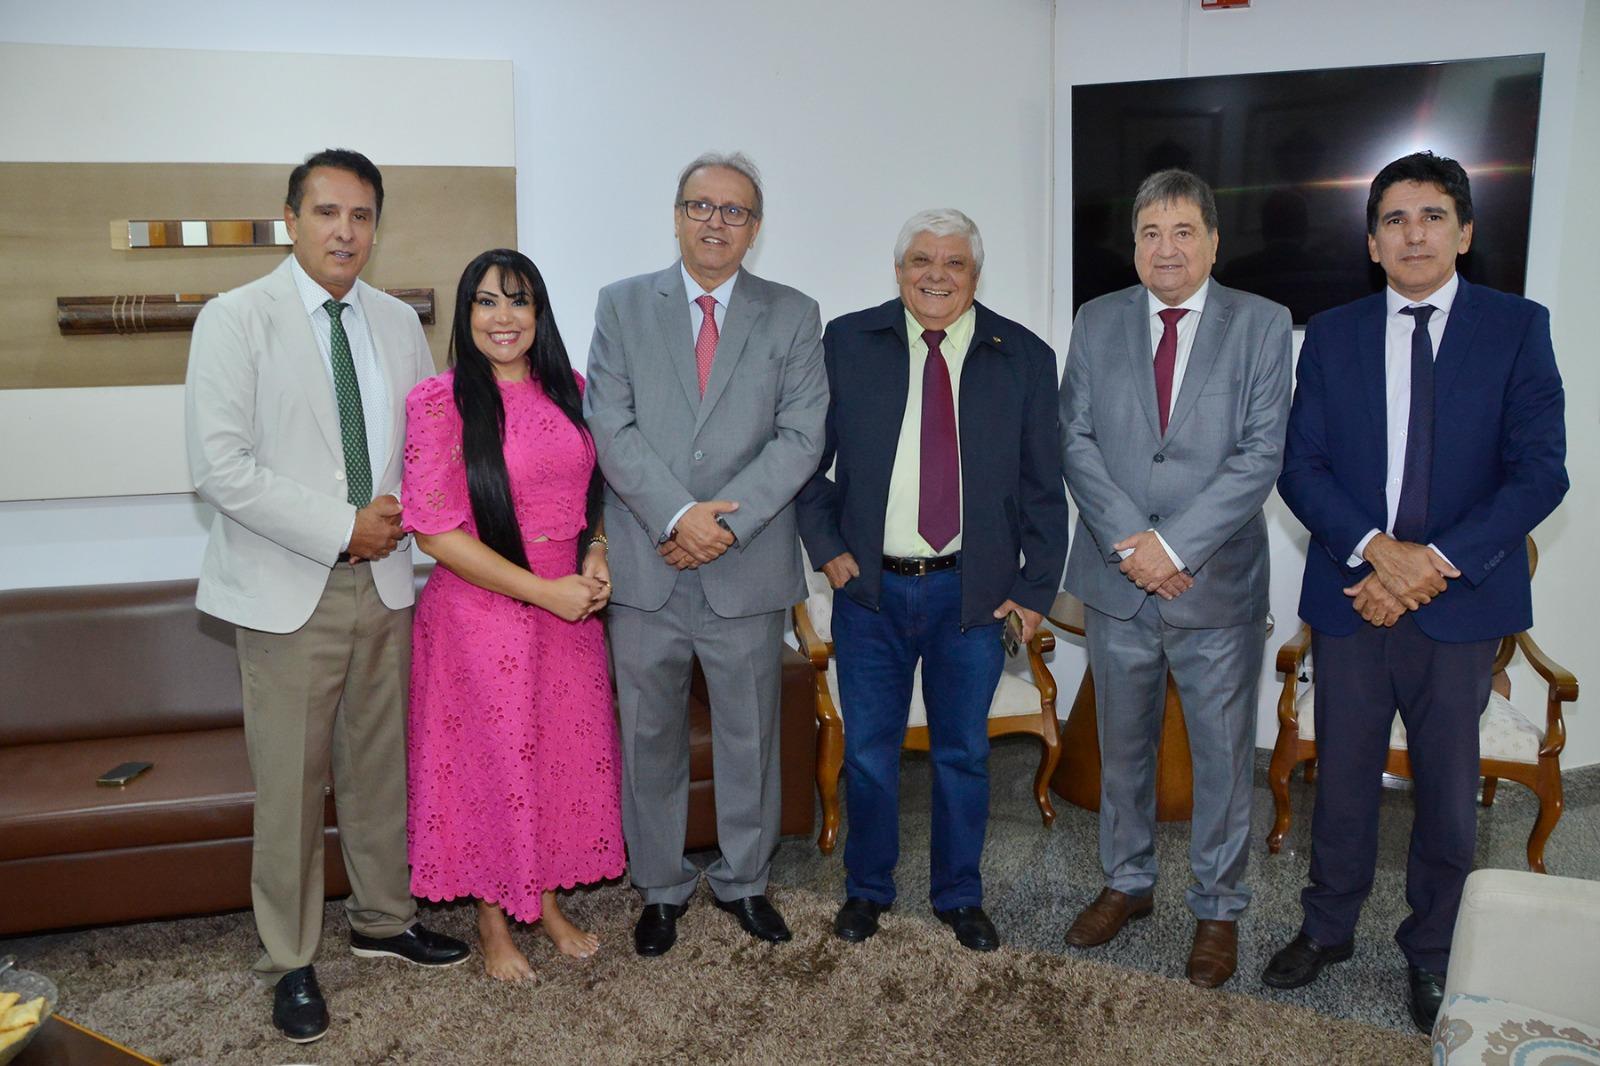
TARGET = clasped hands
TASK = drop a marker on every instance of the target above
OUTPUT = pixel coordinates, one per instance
(377, 530)
(698, 538)
(1150, 567)
(1404, 577)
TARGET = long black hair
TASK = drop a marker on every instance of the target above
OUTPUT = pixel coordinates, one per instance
(483, 413)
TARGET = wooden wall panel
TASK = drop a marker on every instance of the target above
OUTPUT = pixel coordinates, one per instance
(53, 242)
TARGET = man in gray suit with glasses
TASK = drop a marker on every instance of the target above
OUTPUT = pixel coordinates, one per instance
(1173, 413)
(707, 398)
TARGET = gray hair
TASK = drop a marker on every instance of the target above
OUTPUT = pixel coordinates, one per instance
(1172, 186)
(737, 162)
(941, 222)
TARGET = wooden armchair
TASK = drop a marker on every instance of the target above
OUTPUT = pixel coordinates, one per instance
(1024, 702)
(1511, 745)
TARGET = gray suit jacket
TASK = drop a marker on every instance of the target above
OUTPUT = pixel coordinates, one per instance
(755, 437)
(1202, 484)
(265, 451)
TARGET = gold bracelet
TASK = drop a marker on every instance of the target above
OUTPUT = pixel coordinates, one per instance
(600, 539)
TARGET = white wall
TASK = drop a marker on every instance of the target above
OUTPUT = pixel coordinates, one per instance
(1142, 39)
(611, 98)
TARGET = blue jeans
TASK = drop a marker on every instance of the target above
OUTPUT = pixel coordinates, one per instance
(877, 653)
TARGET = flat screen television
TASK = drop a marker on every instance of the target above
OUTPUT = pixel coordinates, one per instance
(1291, 154)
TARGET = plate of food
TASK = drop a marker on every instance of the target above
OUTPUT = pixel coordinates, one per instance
(26, 1000)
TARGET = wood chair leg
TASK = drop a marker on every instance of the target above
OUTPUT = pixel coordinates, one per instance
(830, 759)
(1550, 807)
(1278, 771)
(1490, 784)
(1041, 780)
(1311, 770)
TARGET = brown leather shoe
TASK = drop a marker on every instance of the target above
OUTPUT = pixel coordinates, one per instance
(1215, 954)
(1104, 918)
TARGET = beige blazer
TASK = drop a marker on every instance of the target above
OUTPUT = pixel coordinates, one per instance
(264, 450)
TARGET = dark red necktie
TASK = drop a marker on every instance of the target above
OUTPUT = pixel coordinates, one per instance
(939, 489)
(1167, 361)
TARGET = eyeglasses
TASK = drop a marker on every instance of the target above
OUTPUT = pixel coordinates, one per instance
(702, 210)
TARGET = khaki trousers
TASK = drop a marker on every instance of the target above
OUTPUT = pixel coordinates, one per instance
(330, 695)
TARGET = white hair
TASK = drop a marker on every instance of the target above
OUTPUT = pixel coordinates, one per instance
(941, 222)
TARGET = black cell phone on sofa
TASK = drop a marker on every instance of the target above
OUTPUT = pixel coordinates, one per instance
(118, 776)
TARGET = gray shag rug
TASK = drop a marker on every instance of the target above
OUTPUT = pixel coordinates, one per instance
(180, 992)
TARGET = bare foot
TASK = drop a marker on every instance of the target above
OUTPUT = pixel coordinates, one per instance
(568, 938)
(501, 959)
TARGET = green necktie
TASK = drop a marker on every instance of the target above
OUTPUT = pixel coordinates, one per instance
(352, 424)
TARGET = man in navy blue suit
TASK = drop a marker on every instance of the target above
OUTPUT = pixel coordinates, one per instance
(1425, 442)
(945, 512)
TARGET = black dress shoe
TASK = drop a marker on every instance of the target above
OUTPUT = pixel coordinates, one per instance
(857, 919)
(298, 1009)
(416, 945)
(1299, 961)
(758, 917)
(657, 928)
(1427, 993)
(973, 927)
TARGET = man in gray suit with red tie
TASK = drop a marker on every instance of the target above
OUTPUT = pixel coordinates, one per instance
(1172, 422)
(706, 399)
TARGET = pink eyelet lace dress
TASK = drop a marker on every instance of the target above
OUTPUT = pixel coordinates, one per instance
(514, 759)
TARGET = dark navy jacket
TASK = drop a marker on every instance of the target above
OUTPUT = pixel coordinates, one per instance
(1499, 453)
(1014, 510)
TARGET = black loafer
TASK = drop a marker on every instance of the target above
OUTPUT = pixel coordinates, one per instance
(417, 945)
(857, 919)
(758, 917)
(1427, 993)
(973, 927)
(657, 928)
(1298, 963)
(298, 1009)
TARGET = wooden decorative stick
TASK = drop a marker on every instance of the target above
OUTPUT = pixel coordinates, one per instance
(81, 316)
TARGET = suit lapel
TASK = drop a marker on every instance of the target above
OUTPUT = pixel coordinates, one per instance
(1203, 353)
(745, 311)
(1136, 326)
(672, 318)
(1457, 340)
(293, 327)
(1370, 363)
(397, 376)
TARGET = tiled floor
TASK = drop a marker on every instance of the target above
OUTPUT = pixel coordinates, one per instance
(1036, 879)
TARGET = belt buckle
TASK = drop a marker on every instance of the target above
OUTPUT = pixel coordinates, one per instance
(922, 567)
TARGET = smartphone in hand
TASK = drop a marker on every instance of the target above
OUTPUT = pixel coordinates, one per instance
(1011, 634)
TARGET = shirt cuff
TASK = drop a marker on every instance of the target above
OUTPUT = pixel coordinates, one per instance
(1168, 549)
(1434, 548)
(1356, 557)
(666, 534)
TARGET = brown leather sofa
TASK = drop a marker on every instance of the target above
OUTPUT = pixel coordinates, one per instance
(95, 676)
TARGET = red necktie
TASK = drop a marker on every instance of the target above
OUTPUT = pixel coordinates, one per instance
(1167, 360)
(939, 489)
(705, 345)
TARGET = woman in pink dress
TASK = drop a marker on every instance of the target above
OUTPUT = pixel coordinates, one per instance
(514, 759)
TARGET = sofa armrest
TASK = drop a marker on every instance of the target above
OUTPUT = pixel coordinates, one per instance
(1530, 939)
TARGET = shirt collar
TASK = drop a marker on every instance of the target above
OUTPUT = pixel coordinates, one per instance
(1441, 298)
(1196, 301)
(957, 335)
(723, 293)
(312, 295)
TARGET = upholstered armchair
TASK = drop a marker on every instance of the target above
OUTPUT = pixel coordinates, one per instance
(1513, 743)
(1024, 702)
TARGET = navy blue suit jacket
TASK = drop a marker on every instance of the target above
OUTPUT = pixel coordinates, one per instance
(1499, 457)
(1013, 502)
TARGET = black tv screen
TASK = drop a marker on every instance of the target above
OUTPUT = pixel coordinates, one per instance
(1291, 155)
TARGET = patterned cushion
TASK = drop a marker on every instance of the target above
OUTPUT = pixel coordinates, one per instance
(1476, 1030)
(1503, 731)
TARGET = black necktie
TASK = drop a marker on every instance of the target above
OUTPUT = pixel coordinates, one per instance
(1411, 516)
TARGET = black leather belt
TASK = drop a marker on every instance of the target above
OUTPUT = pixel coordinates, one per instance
(920, 567)
(344, 557)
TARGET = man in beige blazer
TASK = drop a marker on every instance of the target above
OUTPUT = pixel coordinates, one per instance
(295, 418)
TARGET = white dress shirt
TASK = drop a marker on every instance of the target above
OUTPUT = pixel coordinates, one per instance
(722, 294)
(369, 371)
(1397, 330)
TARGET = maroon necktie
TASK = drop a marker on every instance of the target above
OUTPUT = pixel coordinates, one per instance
(1167, 360)
(705, 344)
(939, 490)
